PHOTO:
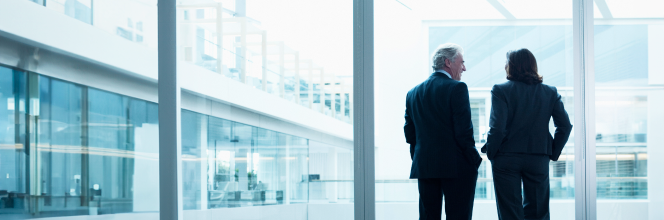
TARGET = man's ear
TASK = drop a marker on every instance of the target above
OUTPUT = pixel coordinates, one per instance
(448, 64)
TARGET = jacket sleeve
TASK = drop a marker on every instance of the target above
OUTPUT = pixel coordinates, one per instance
(497, 123)
(463, 125)
(409, 131)
(563, 127)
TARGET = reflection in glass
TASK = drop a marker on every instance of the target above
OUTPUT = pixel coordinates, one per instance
(242, 165)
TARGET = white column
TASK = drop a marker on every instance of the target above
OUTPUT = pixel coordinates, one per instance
(333, 96)
(310, 84)
(296, 56)
(190, 42)
(264, 60)
(282, 71)
(220, 38)
(243, 50)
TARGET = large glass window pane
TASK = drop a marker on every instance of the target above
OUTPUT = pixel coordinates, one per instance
(407, 33)
(121, 156)
(222, 177)
(629, 101)
(194, 131)
(248, 166)
(72, 150)
(60, 129)
(277, 120)
(13, 146)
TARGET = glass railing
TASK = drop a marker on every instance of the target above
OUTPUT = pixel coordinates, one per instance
(136, 21)
(273, 79)
(248, 57)
(289, 88)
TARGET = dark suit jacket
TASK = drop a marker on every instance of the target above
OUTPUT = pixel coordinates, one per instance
(439, 129)
(519, 123)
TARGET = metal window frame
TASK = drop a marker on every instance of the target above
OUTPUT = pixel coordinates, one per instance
(170, 161)
(363, 116)
(584, 111)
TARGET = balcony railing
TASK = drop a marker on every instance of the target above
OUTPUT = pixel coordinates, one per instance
(213, 37)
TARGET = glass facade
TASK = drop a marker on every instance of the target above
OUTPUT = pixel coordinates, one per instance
(102, 155)
(241, 165)
(73, 150)
(69, 150)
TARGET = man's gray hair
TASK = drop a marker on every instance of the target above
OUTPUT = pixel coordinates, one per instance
(445, 51)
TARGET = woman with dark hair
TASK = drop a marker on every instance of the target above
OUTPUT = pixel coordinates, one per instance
(519, 144)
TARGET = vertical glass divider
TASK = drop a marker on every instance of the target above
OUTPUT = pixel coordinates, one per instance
(584, 120)
(363, 122)
(170, 161)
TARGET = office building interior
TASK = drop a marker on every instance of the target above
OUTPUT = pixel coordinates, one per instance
(268, 120)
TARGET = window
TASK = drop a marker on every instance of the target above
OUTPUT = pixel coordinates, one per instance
(628, 40)
(263, 55)
(407, 34)
(94, 151)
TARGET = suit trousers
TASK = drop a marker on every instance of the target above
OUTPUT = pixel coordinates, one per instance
(512, 169)
(459, 194)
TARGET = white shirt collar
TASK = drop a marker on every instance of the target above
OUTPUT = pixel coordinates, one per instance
(444, 72)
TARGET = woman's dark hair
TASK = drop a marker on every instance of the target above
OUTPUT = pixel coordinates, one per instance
(521, 66)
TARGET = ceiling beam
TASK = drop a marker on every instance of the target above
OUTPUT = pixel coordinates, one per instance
(501, 8)
(603, 8)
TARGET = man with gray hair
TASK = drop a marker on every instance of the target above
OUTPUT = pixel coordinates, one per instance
(440, 133)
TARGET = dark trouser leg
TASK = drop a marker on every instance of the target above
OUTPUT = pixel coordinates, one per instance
(431, 198)
(536, 188)
(507, 184)
(460, 194)
(422, 212)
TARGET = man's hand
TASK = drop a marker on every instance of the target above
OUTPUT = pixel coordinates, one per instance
(412, 151)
